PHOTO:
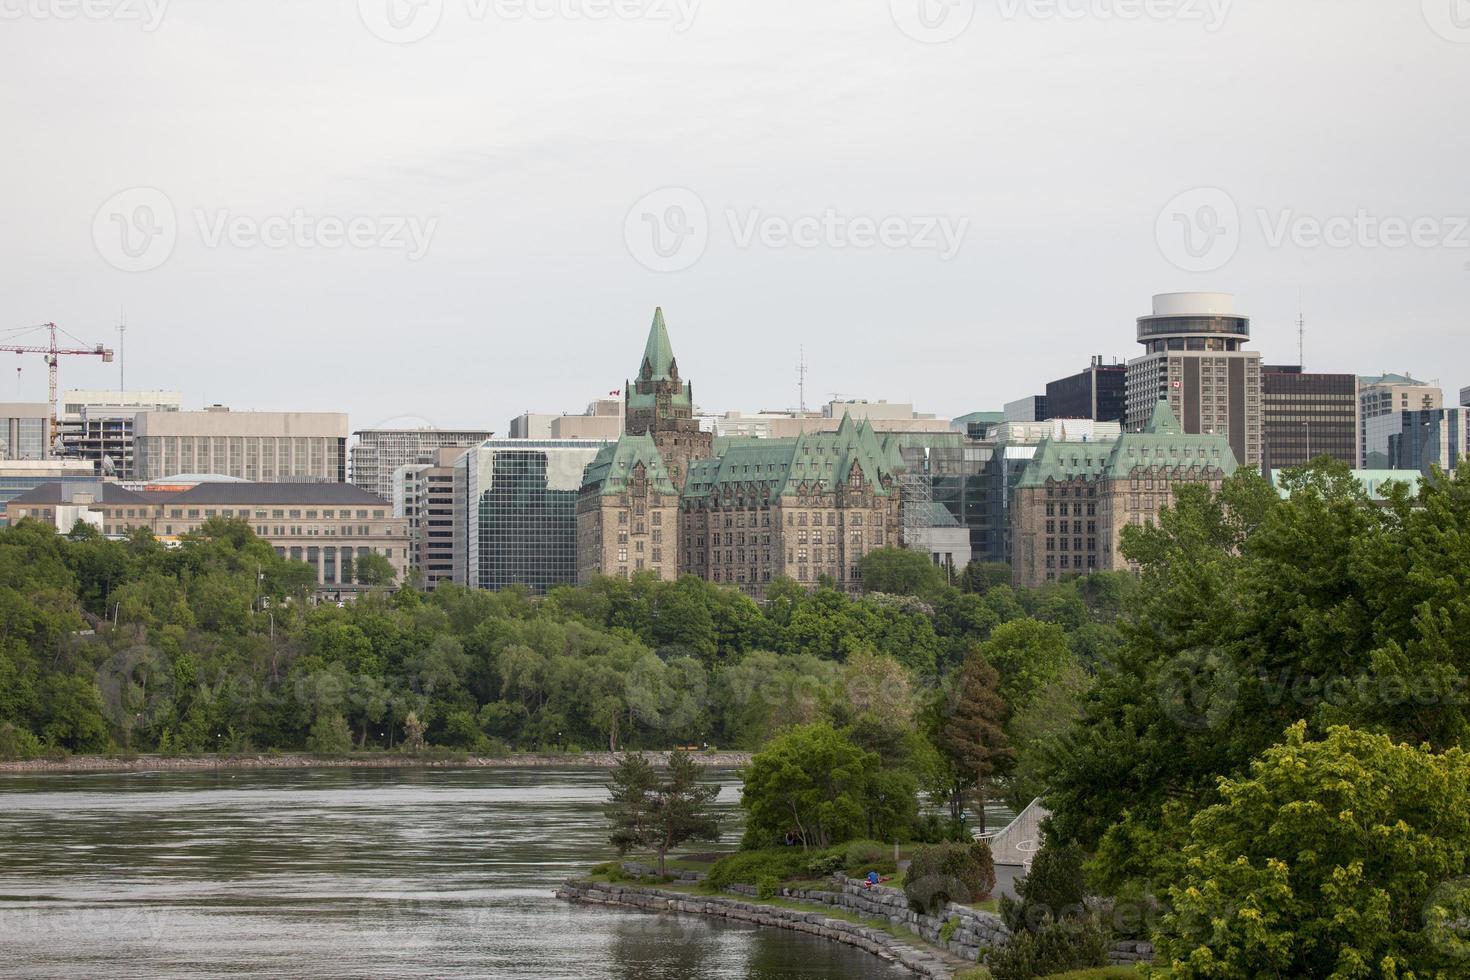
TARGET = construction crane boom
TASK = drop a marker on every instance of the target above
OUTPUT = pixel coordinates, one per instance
(53, 352)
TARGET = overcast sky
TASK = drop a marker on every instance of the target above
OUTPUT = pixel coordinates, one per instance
(949, 205)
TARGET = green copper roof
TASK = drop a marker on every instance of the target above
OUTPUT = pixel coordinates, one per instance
(1163, 422)
(765, 469)
(615, 463)
(1163, 445)
(658, 353)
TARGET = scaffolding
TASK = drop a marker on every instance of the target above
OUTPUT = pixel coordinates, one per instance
(916, 496)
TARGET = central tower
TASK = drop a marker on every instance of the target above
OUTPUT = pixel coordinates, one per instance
(661, 404)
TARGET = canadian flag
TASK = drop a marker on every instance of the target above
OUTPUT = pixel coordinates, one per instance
(1178, 384)
(616, 393)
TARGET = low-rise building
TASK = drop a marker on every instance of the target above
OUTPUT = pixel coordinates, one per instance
(326, 525)
(23, 428)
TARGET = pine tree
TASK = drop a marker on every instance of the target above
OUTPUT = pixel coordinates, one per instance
(972, 735)
(659, 814)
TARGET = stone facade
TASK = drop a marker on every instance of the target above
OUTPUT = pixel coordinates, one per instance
(1074, 499)
(671, 499)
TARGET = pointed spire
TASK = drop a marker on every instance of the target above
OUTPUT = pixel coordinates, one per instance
(1164, 422)
(658, 353)
(845, 427)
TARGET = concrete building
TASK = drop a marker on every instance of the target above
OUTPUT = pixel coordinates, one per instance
(808, 506)
(1032, 408)
(1074, 499)
(943, 538)
(1097, 393)
(21, 476)
(1383, 399)
(1465, 397)
(263, 447)
(1195, 360)
(328, 526)
(1308, 415)
(424, 496)
(603, 419)
(100, 426)
(378, 453)
(23, 428)
(516, 511)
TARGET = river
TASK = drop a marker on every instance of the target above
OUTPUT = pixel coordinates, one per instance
(347, 873)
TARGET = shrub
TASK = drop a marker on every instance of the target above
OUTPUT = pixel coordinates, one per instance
(862, 856)
(18, 743)
(1052, 891)
(329, 734)
(748, 867)
(947, 931)
(943, 873)
(1055, 946)
(766, 886)
(826, 864)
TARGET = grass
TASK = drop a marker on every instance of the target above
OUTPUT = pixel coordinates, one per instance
(1098, 973)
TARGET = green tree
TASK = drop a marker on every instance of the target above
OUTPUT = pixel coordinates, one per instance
(659, 814)
(1344, 857)
(901, 572)
(374, 570)
(808, 780)
(972, 736)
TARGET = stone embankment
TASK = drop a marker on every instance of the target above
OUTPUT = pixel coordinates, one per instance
(384, 760)
(962, 932)
(924, 962)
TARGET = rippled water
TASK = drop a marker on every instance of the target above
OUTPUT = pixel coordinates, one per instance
(345, 872)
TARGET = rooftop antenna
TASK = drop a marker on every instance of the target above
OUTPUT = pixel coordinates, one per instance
(801, 380)
(122, 375)
(1301, 334)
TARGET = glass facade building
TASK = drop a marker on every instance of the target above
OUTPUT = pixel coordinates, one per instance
(1097, 393)
(520, 511)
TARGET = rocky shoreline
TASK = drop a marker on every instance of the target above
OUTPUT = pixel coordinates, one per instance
(301, 760)
(923, 962)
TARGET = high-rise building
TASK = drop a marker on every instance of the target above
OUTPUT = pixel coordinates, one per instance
(23, 428)
(259, 446)
(99, 426)
(1465, 397)
(1309, 415)
(1383, 399)
(424, 496)
(1097, 393)
(1074, 499)
(379, 452)
(516, 511)
(1195, 360)
(1428, 438)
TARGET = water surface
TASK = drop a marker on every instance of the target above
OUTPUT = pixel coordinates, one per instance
(347, 873)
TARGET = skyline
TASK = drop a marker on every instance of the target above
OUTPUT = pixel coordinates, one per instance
(527, 157)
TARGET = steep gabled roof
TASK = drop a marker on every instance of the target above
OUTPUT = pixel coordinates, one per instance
(1163, 445)
(816, 461)
(1163, 422)
(614, 464)
(658, 353)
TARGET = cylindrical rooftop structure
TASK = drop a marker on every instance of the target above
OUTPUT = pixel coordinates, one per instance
(1193, 321)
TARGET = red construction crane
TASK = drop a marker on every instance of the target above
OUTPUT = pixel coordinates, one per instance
(53, 353)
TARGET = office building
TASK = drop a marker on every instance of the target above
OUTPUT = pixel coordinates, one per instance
(1428, 438)
(1195, 360)
(1465, 397)
(265, 447)
(516, 511)
(100, 426)
(1309, 415)
(1032, 408)
(21, 476)
(328, 526)
(809, 506)
(23, 428)
(1074, 499)
(603, 419)
(424, 496)
(1097, 393)
(1383, 399)
(377, 453)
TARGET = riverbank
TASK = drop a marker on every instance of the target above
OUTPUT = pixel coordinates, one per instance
(916, 957)
(367, 760)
